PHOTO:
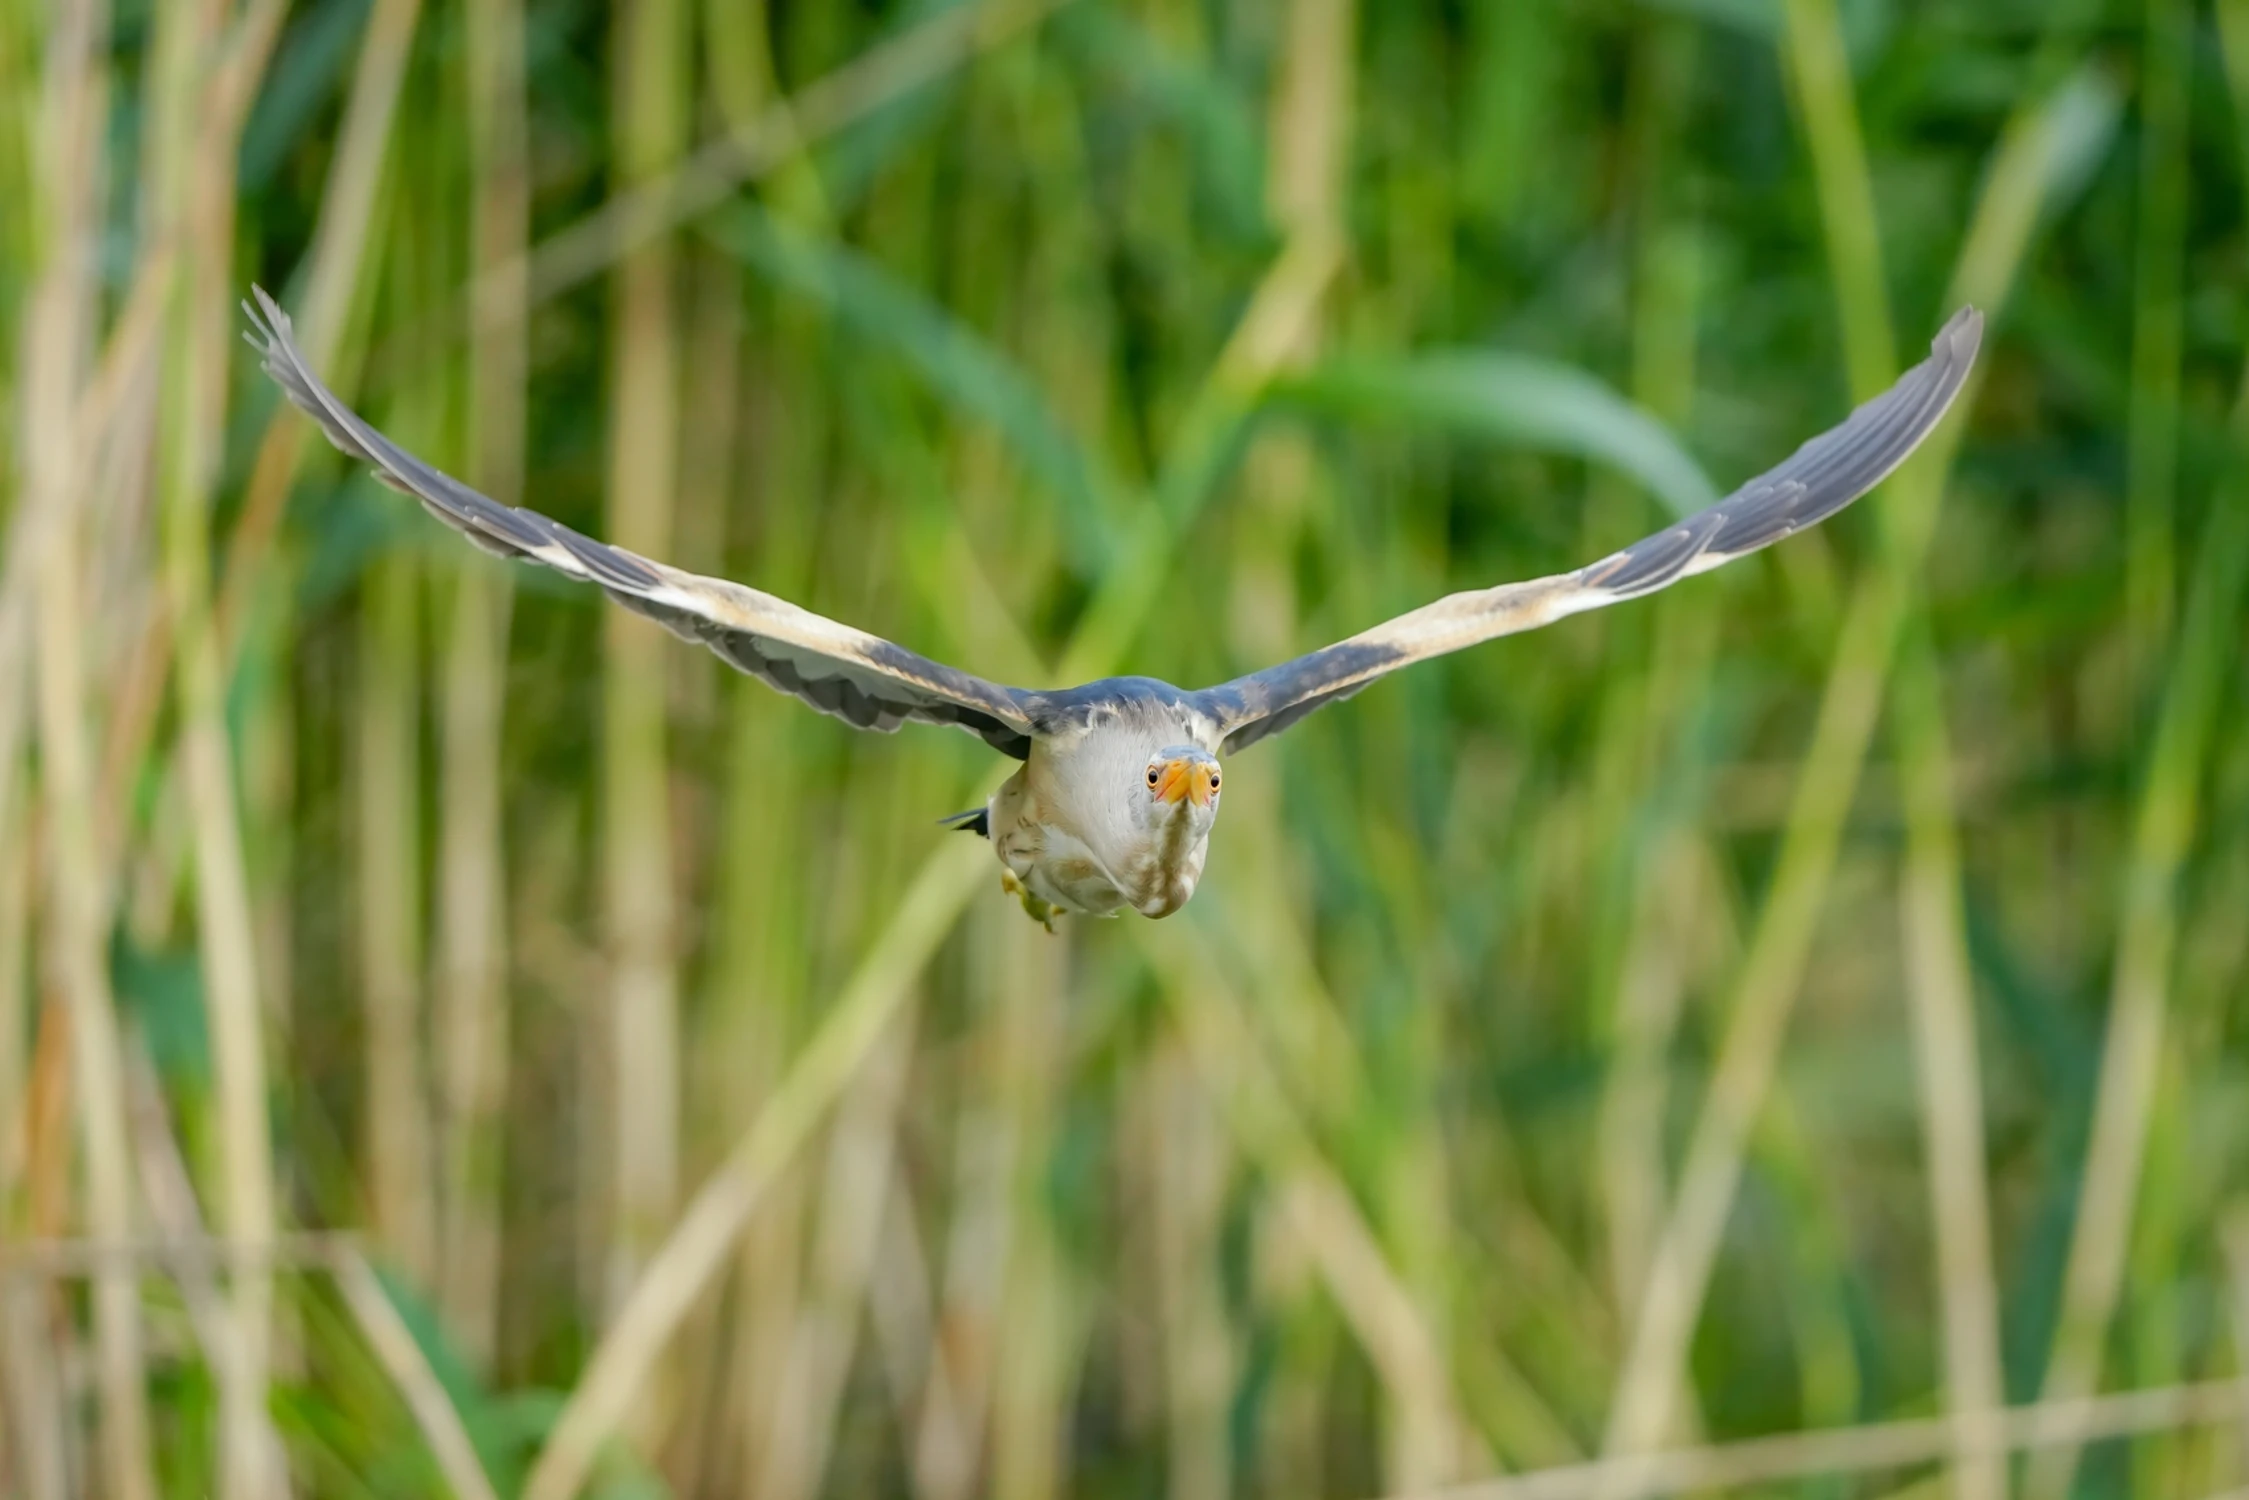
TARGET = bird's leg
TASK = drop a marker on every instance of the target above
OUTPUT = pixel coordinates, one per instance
(1041, 912)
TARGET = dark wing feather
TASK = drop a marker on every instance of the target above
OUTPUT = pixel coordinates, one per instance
(1815, 482)
(862, 679)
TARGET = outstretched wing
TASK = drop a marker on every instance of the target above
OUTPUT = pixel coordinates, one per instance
(1815, 482)
(862, 679)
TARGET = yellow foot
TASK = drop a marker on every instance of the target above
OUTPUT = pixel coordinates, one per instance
(1041, 912)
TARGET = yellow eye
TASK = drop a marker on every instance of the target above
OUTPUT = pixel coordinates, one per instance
(1154, 775)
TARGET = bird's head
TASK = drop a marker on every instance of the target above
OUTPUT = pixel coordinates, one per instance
(1179, 789)
(1174, 806)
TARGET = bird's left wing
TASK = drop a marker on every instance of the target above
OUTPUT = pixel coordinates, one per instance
(860, 678)
(1815, 482)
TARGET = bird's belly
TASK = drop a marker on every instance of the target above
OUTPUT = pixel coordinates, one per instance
(1054, 863)
(1067, 874)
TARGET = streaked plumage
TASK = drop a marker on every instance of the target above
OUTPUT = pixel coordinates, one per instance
(1120, 783)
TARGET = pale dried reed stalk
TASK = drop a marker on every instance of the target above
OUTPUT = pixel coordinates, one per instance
(472, 987)
(900, 1304)
(1941, 1001)
(17, 853)
(1035, 1343)
(58, 332)
(76, 957)
(853, 1195)
(38, 1415)
(389, 866)
(985, 1236)
(192, 416)
(950, 1429)
(650, 88)
(1190, 1171)
(728, 833)
(177, 1216)
(395, 1345)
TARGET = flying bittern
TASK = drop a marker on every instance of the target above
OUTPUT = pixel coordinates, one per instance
(1120, 782)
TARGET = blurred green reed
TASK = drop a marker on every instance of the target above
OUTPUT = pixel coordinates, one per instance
(1805, 1000)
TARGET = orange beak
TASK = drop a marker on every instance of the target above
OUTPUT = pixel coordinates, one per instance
(1183, 778)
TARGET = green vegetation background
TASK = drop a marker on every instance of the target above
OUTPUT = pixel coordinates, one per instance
(1808, 999)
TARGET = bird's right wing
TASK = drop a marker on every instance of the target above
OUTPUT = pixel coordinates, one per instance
(862, 679)
(1815, 482)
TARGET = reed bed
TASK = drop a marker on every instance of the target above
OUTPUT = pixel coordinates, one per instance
(1780, 1037)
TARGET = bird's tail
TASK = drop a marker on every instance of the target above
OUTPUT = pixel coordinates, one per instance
(977, 820)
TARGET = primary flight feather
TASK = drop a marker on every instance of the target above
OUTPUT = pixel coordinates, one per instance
(1120, 781)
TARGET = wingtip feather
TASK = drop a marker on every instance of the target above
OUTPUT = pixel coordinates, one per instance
(1962, 334)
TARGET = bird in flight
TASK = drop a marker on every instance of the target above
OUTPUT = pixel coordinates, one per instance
(1120, 782)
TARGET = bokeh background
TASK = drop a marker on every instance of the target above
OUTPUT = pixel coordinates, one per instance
(455, 1039)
